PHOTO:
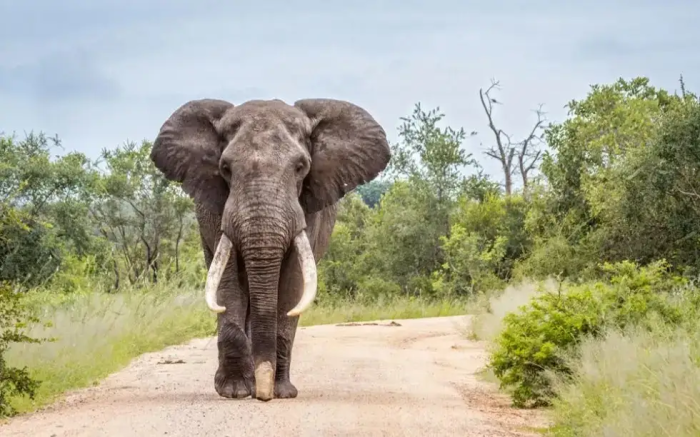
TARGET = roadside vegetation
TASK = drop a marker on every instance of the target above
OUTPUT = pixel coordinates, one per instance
(580, 259)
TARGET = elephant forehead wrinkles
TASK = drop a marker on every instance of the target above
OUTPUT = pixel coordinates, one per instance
(267, 152)
(265, 114)
(275, 138)
(261, 125)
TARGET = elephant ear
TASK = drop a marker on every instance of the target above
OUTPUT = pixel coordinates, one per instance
(187, 150)
(348, 148)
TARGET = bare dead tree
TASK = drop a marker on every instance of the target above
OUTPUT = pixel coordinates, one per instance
(528, 151)
(503, 151)
(506, 150)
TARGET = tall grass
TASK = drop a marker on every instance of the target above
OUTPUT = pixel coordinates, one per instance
(637, 384)
(97, 334)
(487, 323)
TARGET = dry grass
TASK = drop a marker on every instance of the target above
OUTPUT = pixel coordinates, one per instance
(383, 309)
(487, 324)
(634, 384)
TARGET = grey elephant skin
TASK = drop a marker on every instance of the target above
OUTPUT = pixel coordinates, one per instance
(265, 177)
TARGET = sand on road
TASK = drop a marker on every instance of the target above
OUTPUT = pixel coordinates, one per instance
(403, 378)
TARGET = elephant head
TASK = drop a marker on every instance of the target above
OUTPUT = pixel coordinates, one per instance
(263, 166)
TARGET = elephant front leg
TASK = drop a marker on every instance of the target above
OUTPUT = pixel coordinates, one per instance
(290, 291)
(235, 377)
(286, 330)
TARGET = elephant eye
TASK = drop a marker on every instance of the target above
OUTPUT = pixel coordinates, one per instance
(225, 170)
(300, 167)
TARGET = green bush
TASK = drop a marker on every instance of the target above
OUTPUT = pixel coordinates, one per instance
(14, 318)
(373, 288)
(536, 340)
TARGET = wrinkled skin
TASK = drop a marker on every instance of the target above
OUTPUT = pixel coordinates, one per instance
(261, 173)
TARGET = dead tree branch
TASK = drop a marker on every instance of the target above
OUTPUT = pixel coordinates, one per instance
(526, 151)
(529, 152)
(503, 151)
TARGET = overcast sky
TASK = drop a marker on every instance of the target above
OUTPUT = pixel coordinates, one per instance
(100, 72)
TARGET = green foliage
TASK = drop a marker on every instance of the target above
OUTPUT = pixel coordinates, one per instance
(14, 319)
(433, 161)
(64, 220)
(536, 340)
(144, 216)
(344, 265)
(32, 188)
(486, 238)
(404, 235)
(612, 187)
(372, 191)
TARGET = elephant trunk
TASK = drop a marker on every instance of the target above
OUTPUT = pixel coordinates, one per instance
(263, 263)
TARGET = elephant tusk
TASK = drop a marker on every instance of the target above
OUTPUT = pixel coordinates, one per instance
(216, 270)
(308, 273)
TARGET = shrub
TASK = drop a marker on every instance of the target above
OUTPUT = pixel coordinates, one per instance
(13, 320)
(536, 340)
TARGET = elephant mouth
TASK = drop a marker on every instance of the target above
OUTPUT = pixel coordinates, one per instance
(306, 262)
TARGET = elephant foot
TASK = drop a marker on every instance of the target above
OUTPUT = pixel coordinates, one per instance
(233, 385)
(285, 390)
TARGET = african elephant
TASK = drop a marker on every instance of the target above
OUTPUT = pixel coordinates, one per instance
(265, 177)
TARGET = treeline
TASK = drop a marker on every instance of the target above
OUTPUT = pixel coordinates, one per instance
(618, 180)
(69, 223)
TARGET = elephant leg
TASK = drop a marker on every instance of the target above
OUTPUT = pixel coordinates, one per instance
(319, 228)
(235, 376)
(290, 290)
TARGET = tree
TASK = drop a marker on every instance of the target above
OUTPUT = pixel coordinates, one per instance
(372, 191)
(37, 194)
(527, 151)
(605, 174)
(432, 159)
(138, 209)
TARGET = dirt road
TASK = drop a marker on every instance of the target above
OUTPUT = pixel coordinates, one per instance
(406, 378)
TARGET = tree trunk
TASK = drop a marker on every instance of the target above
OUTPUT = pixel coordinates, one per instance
(508, 181)
(177, 247)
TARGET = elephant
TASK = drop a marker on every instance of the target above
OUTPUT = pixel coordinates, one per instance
(265, 177)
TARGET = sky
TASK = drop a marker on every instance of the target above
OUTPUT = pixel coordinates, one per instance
(100, 73)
